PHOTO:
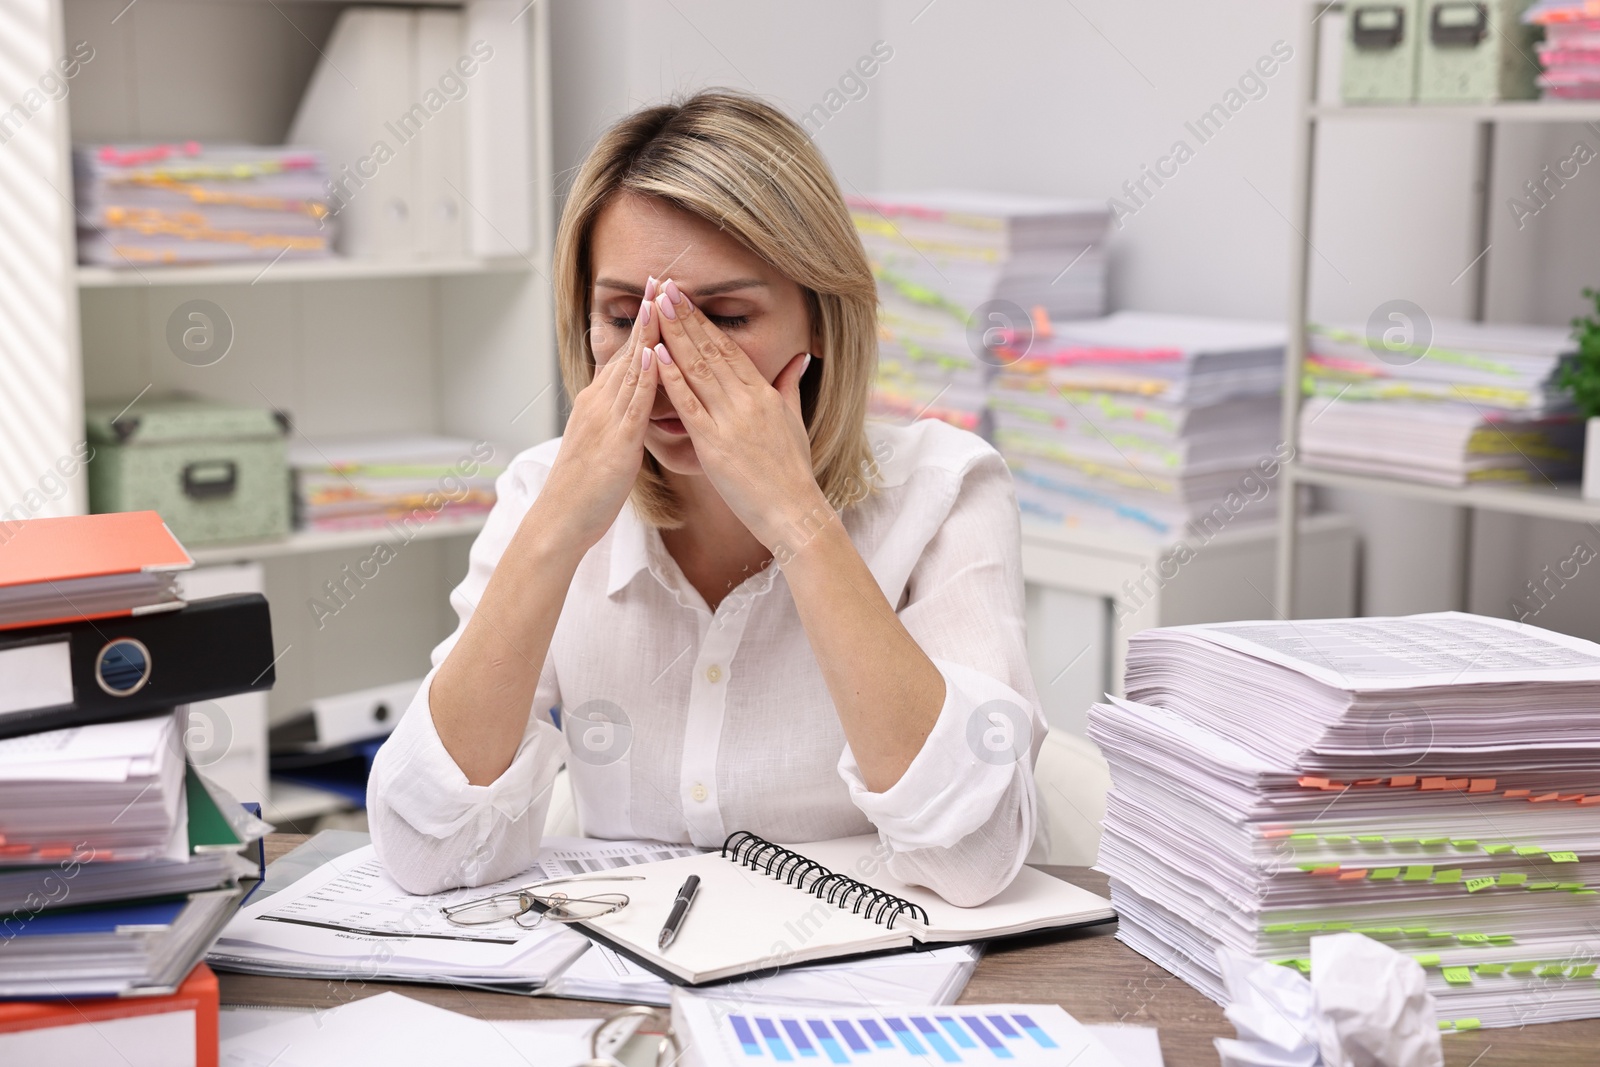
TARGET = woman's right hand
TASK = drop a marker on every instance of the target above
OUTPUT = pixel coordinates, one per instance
(604, 441)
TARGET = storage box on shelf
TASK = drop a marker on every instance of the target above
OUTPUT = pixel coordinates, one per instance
(455, 343)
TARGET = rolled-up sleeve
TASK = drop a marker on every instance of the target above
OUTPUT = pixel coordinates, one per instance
(961, 818)
(432, 828)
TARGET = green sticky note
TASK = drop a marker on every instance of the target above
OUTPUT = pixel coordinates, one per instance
(1528, 850)
(1427, 841)
(1277, 928)
(1383, 874)
(1444, 1025)
(1370, 839)
(1482, 882)
(1301, 928)
(1449, 877)
(1458, 975)
(1570, 886)
(1502, 939)
(1473, 939)
(1303, 966)
(1553, 970)
(1465, 842)
(1523, 967)
(1388, 931)
(1417, 931)
(1468, 1024)
(1302, 837)
(1585, 892)
(1496, 850)
(1514, 878)
(1419, 873)
(1543, 885)
(1583, 970)
(1428, 959)
(1490, 968)
(1402, 840)
(1310, 866)
(1336, 926)
(1563, 857)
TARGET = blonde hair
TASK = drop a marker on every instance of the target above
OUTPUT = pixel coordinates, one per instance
(742, 164)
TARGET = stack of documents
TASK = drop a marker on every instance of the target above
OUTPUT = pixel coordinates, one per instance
(1151, 424)
(1570, 53)
(1427, 781)
(188, 203)
(953, 268)
(1470, 403)
(353, 483)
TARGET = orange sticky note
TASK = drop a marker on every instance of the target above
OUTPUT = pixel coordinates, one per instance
(1516, 792)
(1401, 781)
(1456, 783)
(1351, 876)
(1542, 799)
(1481, 785)
(1370, 781)
(1041, 321)
(1276, 832)
(1592, 798)
(1332, 868)
(1570, 796)
(1314, 783)
(1434, 783)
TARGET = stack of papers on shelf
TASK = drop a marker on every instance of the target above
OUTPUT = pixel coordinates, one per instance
(1570, 53)
(187, 203)
(88, 567)
(1154, 424)
(1428, 781)
(952, 268)
(1473, 403)
(358, 482)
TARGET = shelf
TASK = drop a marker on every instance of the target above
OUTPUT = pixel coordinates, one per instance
(1507, 111)
(306, 270)
(307, 541)
(1542, 501)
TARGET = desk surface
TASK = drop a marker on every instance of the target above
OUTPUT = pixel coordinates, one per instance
(1089, 973)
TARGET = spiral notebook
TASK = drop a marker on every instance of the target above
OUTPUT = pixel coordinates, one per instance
(762, 907)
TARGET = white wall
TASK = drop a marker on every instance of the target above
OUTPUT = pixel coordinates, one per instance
(1072, 99)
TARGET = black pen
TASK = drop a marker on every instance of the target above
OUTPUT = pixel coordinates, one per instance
(680, 908)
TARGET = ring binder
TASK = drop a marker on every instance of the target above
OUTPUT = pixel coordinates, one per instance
(792, 868)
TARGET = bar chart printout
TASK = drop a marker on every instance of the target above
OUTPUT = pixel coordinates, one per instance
(1015, 1035)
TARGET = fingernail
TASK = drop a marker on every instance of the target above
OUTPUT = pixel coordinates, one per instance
(644, 312)
(665, 305)
(673, 291)
(650, 288)
(663, 355)
(646, 356)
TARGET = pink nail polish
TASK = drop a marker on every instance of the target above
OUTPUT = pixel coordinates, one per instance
(663, 355)
(644, 313)
(650, 288)
(672, 290)
(665, 304)
(646, 356)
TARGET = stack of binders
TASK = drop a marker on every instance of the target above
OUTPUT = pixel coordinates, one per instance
(955, 271)
(1430, 782)
(174, 204)
(1570, 53)
(1469, 403)
(1156, 426)
(119, 863)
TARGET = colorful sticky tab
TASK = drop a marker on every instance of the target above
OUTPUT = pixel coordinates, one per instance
(1449, 877)
(1516, 792)
(1355, 874)
(1302, 837)
(1468, 1024)
(1523, 967)
(1465, 842)
(1273, 832)
(1501, 940)
(1314, 783)
(1544, 797)
(1419, 873)
(1552, 970)
(1371, 839)
(1416, 931)
(1427, 842)
(1277, 928)
(1570, 886)
(1481, 785)
(1583, 970)
(1402, 840)
(1528, 850)
(1481, 882)
(1336, 839)
(1383, 874)
(1402, 781)
(1433, 783)
(1514, 878)
(1490, 968)
(1457, 975)
(1428, 959)
(1563, 857)
(1496, 850)
(1542, 885)
(1473, 939)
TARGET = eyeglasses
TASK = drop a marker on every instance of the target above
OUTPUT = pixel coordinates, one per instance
(616, 1031)
(518, 904)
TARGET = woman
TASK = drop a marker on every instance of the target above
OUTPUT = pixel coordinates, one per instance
(756, 611)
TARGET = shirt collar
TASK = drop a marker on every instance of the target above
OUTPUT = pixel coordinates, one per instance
(630, 549)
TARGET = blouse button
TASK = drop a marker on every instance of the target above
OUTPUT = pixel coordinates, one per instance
(713, 674)
(699, 793)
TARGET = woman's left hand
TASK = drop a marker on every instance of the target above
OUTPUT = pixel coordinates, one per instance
(749, 436)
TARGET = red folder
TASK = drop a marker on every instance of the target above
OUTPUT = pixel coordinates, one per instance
(87, 567)
(86, 1031)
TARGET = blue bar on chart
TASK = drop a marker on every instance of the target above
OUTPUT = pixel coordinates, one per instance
(936, 1039)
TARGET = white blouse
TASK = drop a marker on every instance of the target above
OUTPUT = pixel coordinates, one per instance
(683, 724)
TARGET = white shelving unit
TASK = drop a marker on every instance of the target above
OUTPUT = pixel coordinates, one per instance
(462, 347)
(1542, 501)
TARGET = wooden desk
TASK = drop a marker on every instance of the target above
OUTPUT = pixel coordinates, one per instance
(1090, 973)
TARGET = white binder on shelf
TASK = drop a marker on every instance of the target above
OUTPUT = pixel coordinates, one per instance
(362, 87)
(499, 131)
(439, 166)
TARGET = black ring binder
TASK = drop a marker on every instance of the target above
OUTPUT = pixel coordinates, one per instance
(808, 875)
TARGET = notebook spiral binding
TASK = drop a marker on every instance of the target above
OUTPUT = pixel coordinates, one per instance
(759, 854)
